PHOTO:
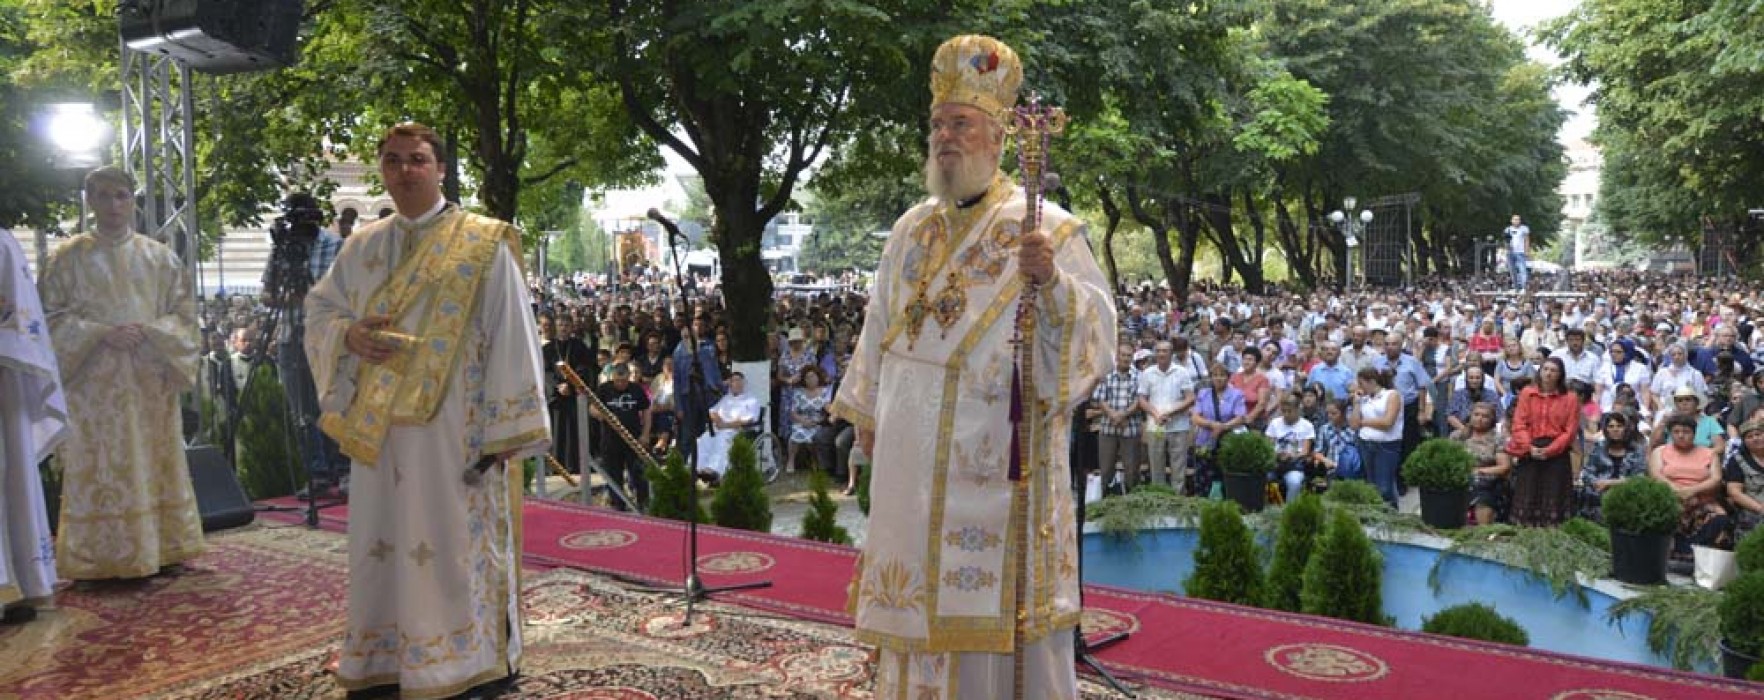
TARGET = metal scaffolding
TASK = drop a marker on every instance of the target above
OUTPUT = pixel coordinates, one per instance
(159, 149)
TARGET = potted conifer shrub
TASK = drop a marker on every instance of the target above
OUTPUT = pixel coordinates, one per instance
(1301, 523)
(1245, 459)
(821, 523)
(1476, 621)
(741, 502)
(1345, 577)
(1441, 468)
(1227, 563)
(671, 490)
(1642, 514)
(1742, 624)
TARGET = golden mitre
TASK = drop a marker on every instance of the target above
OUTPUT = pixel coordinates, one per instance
(978, 71)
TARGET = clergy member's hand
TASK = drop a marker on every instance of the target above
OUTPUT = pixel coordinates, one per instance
(360, 340)
(1035, 258)
(125, 337)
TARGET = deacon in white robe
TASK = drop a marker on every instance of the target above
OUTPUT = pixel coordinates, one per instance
(123, 320)
(33, 421)
(736, 410)
(943, 583)
(427, 358)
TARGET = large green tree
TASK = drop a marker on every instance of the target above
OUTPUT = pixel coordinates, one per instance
(751, 94)
(1679, 85)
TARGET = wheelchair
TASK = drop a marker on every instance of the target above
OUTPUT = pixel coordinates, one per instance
(768, 449)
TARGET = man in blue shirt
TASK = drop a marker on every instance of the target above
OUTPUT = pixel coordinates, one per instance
(1331, 374)
(690, 409)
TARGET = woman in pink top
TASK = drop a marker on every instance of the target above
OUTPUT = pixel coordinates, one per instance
(1695, 476)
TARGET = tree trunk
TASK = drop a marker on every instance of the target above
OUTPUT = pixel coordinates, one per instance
(1112, 213)
(746, 285)
(1298, 245)
(450, 187)
(1188, 228)
(1247, 263)
(1176, 276)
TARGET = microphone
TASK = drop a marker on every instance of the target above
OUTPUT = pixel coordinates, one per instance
(673, 228)
(474, 475)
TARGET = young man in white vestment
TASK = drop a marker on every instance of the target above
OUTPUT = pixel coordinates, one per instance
(427, 360)
(33, 421)
(123, 321)
(930, 391)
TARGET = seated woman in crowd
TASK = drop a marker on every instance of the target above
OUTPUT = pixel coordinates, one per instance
(1689, 403)
(1489, 489)
(1338, 448)
(1477, 390)
(1256, 388)
(1744, 474)
(1618, 454)
(1293, 438)
(808, 414)
(1218, 409)
(1694, 474)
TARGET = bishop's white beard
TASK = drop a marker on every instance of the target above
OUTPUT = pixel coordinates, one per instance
(967, 179)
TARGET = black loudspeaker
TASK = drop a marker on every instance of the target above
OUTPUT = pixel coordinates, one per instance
(214, 36)
(219, 498)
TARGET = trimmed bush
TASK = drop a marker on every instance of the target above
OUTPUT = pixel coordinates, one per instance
(822, 521)
(1354, 493)
(1589, 532)
(268, 464)
(1245, 453)
(741, 500)
(1300, 525)
(1641, 507)
(1749, 553)
(1439, 463)
(1345, 576)
(1476, 621)
(671, 490)
(1742, 614)
(1227, 563)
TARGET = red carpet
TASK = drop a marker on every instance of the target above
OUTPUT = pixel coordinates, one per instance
(1178, 643)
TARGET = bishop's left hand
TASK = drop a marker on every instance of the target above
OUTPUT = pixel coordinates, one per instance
(1035, 258)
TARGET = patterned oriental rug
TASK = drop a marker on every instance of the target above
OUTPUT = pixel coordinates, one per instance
(245, 622)
(1179, 644)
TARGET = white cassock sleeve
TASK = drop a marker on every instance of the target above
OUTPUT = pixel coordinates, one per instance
(516, 419)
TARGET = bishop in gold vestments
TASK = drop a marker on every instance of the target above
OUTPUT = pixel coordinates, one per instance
(936, 588)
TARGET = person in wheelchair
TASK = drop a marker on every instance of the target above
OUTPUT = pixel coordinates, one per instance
(1293, 437)
(735, 412)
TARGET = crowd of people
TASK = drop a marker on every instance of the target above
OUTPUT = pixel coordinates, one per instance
(1559, 396)
(633, 342)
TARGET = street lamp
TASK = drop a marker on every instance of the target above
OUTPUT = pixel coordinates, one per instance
(1350, 230)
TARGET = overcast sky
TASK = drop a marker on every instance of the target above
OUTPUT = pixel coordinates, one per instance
(1522, 15)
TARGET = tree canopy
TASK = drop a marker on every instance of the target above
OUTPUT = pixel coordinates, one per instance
(1679, 87)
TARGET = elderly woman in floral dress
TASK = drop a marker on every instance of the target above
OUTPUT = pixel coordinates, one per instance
(1489, 490)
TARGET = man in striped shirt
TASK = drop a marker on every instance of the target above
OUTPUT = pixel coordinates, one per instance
(1115, 408)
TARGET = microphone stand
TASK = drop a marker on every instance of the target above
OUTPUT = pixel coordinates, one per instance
(693, 589)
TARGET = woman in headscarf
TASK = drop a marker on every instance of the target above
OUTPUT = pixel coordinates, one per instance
(1675, 373)
(1626, 368)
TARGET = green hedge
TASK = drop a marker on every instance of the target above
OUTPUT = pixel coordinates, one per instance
(1641, 506)
(1245, 453)
(671, 490)
(821, 523)
(1439, 463)
(1476, 621)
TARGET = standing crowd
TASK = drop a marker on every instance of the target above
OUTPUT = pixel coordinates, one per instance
(1559, 396)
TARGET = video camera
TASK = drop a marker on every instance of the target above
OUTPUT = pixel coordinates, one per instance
(289, 274)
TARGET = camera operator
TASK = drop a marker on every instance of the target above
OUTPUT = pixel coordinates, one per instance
(299, 238)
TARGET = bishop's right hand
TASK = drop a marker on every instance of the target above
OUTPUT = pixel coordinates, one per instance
(360, 339)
